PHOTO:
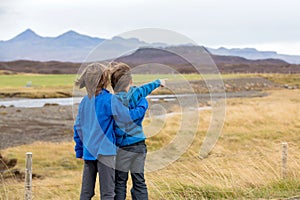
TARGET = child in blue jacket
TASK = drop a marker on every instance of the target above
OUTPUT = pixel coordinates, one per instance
(130, 136)
(93, 130)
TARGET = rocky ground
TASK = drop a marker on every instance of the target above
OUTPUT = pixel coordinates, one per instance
(25, 125)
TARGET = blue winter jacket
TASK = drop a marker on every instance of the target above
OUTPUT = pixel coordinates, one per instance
(93, 129)
(131, 133)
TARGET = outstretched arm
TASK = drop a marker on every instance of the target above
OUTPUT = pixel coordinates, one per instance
(145, 90)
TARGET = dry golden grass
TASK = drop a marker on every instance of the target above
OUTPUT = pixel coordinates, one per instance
(61, 173)
(37, 92)
(245, 163)
(290, 79)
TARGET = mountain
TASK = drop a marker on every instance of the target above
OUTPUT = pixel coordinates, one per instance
(253, 54)
(164, 60)
(69, 47)
(27, 35)
(75, 40)
(74, 47)
(175, 59)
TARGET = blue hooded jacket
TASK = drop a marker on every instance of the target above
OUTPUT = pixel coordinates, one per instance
(93, 128)
(131, 133)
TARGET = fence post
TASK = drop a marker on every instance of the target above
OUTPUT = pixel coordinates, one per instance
(28, 176)
(284, 160)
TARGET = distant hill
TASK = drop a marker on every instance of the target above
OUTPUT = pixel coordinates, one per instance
(253, 54)
(148, 56)
(226, 64)
(49, 67)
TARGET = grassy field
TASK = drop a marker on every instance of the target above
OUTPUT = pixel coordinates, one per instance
(51, 86)
(37, 80)
(37, 85)
(67, 80)
(19, 81)
(47, 86)
(245, 163)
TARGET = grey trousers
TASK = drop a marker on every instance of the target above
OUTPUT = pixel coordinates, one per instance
(131, 158)
(105, 166)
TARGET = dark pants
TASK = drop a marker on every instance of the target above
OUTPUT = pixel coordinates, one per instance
(105, 167)
(131, 158)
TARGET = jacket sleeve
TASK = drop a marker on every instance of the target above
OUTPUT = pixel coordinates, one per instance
(139, 111)
(145, 90)
(122, 113)
(77, 138)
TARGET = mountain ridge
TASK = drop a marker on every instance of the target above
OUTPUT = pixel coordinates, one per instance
(75, 47)
(254, 54)
(67, 47)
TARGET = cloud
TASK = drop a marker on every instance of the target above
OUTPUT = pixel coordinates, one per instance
(210, 22)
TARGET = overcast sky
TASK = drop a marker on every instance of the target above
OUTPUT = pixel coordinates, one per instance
(263, 24)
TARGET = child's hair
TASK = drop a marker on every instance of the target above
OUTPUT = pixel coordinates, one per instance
(120, 76)
(94, 77)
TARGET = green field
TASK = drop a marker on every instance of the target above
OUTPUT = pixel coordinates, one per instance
(61, 85)
(54, 80)
(38, 80)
